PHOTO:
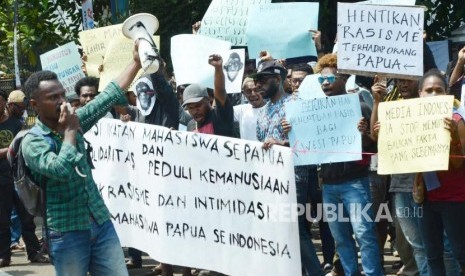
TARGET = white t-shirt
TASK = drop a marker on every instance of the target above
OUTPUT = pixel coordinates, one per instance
(247, 117)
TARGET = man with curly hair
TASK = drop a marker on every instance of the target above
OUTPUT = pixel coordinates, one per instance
(346, 184)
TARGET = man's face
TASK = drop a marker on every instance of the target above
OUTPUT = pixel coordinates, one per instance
(50, 97)
(267, 85)
(88, 93)
(296, 79)
(17, 109)
(331, 83)
(144, 94)
(199, 110)
(254, 98)
(408, 89)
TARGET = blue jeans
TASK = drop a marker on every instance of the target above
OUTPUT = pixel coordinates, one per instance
(15, 227)
(408, 214)
(97, 251)
(353, 193)
(308, 255)
(410, 217)
(437, 218)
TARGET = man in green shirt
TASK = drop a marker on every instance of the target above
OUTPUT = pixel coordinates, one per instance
(80, 233)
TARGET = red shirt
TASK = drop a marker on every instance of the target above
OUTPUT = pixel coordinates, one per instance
(452, 181)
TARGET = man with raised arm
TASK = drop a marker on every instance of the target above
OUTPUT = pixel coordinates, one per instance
(80, 233)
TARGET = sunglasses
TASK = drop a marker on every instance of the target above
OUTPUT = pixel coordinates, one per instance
(331, 79)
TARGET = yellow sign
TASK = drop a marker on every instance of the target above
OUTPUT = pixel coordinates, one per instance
(101, 45)
(412, 136)
(94, 43)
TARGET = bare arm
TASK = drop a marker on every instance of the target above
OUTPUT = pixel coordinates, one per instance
(457, 144)
(220, 90)
(3, 153)
(377, 90)
(130, 72)
(458, 70)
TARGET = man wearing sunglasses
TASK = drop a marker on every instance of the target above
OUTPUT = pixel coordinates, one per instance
(346, 183)
(269, 82)
(332, 84)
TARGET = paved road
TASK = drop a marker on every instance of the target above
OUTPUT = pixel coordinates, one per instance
(22, 267)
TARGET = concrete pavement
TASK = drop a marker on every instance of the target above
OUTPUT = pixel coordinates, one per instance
(20, 266)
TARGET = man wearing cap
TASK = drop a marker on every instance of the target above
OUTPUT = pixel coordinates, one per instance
(9, 127)
(269, 81)
(16, 104)
(218, 120)
(206, 119)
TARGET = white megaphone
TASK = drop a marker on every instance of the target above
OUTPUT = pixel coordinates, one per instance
(141, 27)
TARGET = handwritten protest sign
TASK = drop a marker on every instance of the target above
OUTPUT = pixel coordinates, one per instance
(282, 29)
(227, 20)
(386, 40)
(94, 43)
(233, 67)
(310, 88)
(412, 137)
(172, 189)
(324, 130)
(189, 54)
(117, 56)
(66, 63)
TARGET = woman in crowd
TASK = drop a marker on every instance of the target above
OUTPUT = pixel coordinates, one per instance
(445, 197)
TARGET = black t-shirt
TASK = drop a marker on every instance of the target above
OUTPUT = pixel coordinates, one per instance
(340, 172)
(166, 110)
(8, 131)
(222, 118)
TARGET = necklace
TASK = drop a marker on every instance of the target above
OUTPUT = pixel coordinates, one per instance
(57, 134)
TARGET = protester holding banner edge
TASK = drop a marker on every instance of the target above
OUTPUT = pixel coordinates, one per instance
(269, 81)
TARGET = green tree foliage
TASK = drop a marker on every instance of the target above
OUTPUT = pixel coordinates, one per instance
(42, 25)
(442, 17)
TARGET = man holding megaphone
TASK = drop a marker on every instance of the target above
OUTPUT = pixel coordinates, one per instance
(80, 234)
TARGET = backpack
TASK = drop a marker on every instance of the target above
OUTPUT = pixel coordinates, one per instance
(30, 192)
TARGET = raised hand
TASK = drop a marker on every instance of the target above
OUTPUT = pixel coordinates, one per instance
(215, 61)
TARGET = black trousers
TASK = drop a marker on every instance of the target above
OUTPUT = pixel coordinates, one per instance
(8, 199)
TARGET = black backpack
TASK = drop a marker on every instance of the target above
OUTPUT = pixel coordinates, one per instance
(30, 192)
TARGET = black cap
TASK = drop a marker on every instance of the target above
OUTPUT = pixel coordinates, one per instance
(271, 67)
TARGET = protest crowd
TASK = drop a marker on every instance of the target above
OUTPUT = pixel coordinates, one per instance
(418, 212)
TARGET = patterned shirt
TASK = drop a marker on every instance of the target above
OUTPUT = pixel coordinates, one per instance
(269, 126)
(72, 199)
(269, 120)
